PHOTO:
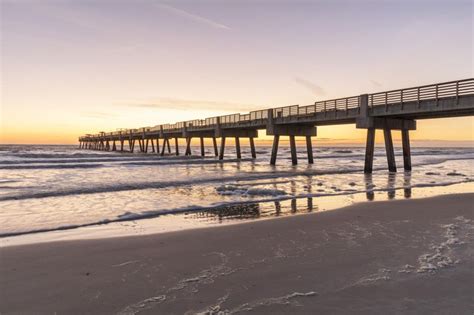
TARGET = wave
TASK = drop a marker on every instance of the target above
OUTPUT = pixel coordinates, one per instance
(48, 166)
(248, 191)
(243, 176)
(129, 216)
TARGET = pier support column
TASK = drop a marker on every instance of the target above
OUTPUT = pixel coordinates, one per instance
(114, 147)
(309, 149)
(152, 145)
(221, 153)
(163, 148)
(389, 150)
(369, 151)
(188, 146)
(157, 145)
(406, 150)
(121, 145)
(294, 158)
(176, 146)
(237, 148)
(276, 139)
(214, 142)
(140, 146)
(252, 148)
(168, 145)
(203, 153)
(132, 148)
(146, 146)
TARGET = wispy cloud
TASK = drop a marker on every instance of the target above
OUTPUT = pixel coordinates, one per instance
(186, 104)
(376, 84)
(98, 115)
(314, 88)
(192, 16)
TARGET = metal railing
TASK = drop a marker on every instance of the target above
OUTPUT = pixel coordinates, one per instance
(452, 89)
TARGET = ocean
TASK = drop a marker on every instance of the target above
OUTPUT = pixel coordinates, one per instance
(47, 188)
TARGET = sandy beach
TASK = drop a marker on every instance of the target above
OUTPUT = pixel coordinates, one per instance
(403, 256)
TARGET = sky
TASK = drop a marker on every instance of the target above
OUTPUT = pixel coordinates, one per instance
(74, 67)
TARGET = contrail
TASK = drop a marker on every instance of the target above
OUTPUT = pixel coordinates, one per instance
(192, 16)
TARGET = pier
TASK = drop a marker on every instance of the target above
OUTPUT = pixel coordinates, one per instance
(395, 110)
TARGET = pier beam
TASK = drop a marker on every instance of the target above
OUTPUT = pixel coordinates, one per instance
(369, 151)
(387, 133)
(221, 153)
(121, 145)
(157, 145)
(252, 148)
(294, 158)
(237, 148)
(203, 152)
(176, 145)
(273, 158)
(146, 145)
(114, 147)
(309, 149)
(406, 150)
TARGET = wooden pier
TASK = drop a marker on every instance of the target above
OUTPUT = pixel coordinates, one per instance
(386, 111)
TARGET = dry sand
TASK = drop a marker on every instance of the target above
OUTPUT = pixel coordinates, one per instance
(406, 256)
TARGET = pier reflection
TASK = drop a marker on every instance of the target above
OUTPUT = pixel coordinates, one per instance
(407, 185)
(254, 210)
(391, 187)
(387, 189)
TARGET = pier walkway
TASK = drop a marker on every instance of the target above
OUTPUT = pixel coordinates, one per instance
(386, 111)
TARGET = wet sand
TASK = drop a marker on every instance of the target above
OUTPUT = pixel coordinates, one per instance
(399, 256)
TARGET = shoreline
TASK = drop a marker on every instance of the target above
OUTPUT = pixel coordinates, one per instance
(179, 220)
(410, 256)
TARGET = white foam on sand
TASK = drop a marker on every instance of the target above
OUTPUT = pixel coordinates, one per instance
(288, 299)
(443, 255)
(248, 191)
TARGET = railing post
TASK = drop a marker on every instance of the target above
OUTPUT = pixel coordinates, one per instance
(457, 92)
(418, 97)
(401, 98)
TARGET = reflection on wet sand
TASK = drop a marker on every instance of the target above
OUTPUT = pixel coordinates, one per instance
(296, 205)
(391, 186)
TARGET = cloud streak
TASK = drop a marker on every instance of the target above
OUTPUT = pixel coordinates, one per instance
(98, 115)
(313, 88)
(186, 104)
(193, 17)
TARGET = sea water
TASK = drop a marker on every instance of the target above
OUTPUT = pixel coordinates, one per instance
(47, 188)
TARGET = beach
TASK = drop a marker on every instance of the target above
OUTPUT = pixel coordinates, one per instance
(399, 256)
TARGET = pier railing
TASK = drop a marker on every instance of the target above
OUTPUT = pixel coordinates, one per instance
(434, 92)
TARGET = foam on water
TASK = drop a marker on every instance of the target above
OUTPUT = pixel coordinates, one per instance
(44, 188)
